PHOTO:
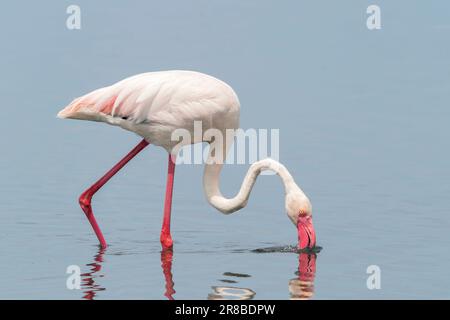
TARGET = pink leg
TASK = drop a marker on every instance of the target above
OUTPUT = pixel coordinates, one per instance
(86, 197)
(166, 238)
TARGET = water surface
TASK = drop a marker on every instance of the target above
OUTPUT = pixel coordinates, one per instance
(363, 118)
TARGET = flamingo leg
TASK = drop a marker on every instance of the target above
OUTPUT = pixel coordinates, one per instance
(86, 196)
(166, 238)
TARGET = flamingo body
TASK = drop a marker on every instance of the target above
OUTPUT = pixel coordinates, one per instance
(154, 105)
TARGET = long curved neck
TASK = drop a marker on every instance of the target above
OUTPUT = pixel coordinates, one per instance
(211, 180)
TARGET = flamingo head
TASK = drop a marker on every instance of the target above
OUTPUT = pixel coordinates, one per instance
(299, 210)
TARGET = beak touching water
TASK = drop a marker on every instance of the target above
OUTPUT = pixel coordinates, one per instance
(306, 233)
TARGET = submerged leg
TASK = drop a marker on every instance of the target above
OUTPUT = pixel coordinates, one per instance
(86, 196)
(166, 238)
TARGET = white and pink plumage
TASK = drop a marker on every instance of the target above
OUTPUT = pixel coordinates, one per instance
(155, 104)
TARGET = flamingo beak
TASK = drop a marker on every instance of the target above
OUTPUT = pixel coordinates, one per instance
(306, 233)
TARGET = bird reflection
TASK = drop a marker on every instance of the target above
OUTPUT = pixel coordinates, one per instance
(166, 264)
(91, 288)
(231, 293)
(88, 283)
(302, 287)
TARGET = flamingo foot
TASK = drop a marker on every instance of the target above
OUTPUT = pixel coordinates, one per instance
(85, 204)
(166, 240)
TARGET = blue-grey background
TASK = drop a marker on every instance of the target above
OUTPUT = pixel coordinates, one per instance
(364, 126)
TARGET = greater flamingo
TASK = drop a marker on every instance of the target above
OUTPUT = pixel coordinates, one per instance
(153, 105)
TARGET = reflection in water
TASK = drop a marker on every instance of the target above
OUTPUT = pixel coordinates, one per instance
(303, 286)
(88, 283)
(237, 275)
(91, 288)
(166, 264)
(231, 293)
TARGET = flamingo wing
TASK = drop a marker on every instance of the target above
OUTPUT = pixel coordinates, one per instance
(139, 97)
(154, 104)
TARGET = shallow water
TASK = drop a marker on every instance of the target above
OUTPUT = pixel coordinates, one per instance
(363, 118)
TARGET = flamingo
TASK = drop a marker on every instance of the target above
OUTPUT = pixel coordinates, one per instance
(153, 105)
